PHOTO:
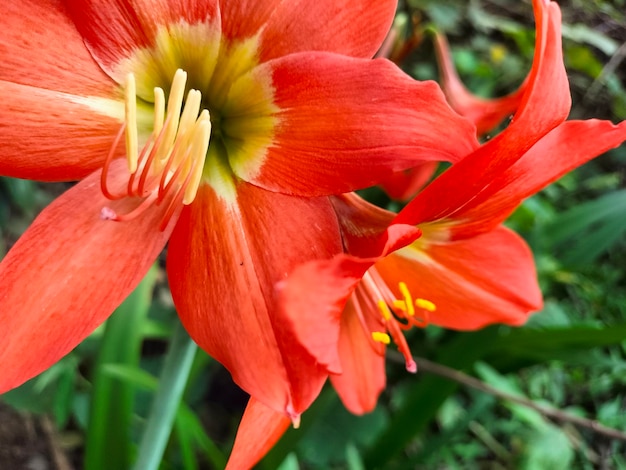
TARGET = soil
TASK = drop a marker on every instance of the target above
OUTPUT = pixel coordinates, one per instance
(29, 442)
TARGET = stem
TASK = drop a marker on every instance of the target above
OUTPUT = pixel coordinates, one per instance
(171, 386)
(469, 381)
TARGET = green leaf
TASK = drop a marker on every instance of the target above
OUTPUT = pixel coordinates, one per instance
(580, 33)
(166, 402)
(547, 447)
(290, 463)
(583, 233)
(551, 343)
(186, 422)
(427, 394)
(108, 443)
(353, 458)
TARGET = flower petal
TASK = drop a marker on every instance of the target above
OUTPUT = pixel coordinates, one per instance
(363, 369)
(487, 279)
(260, 428)
(223, 263)
(66, 275)
(113, 30)
(313, 300)
(403, 185)
(545, 105)
(53, 136)
(347, 123)
(563, 149)
(486, 114)
(352, 27)
(40, 47)
(314, 295)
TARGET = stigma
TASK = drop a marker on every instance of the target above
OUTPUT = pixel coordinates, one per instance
(168, 168)
(395, 313)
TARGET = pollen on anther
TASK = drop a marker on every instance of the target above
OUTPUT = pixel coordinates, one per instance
(384, 310)
(174, 106)
(130, 117)
(380, 337)
(407, 298)
(425, 304)
(199, 142)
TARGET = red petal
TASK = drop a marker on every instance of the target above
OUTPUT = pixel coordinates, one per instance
(40, 47)
(66, 275)
(486, 114)
(347, 123)
(365, 228)
(544, 106)
(563, 149)
(403, 185)
(352, 27)
(223, 263)
(313, 299)
(487, 279)
(313, 315)
(52, 136)
(363, 369)
(115, 29)
(259, 430)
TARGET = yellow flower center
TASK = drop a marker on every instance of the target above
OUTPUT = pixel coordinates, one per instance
(215, 94)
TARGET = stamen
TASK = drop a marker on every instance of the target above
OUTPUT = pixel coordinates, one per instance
(407, 299)
(110, 214)
(381, 337)
(425, 304)
(174, 105)
(130, 118)
(159, 110)
(105, 168)
(199, 148)
(190, 113)
(171, 163)
(384, 310)
(401, 315)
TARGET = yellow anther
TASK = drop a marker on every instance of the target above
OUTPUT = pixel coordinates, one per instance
(190, 112)
(159, 110)
(381, 337)
(174, 106)
(130, 117)
(408, 300)
(399, 305)
(199, 145)
(425, 304)
(384, 310)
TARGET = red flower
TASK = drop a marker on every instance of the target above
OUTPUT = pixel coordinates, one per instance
(291, 110)
(447, 246)
(470, 270)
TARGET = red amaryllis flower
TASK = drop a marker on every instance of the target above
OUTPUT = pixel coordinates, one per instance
(239, 119)
(447, 246)
(470, 270)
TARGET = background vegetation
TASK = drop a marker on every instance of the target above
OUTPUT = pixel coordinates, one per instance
(89, 410)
